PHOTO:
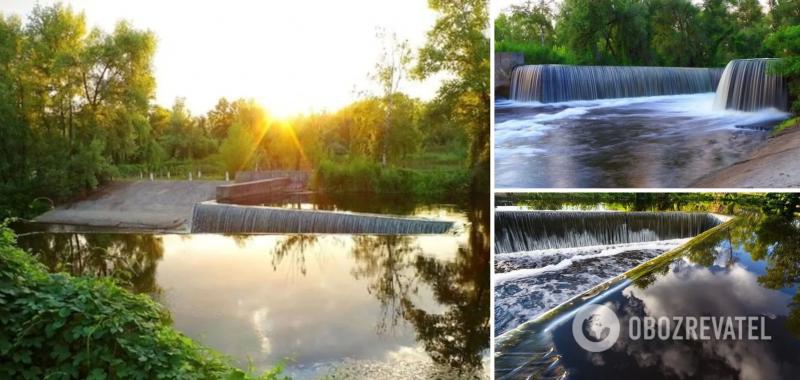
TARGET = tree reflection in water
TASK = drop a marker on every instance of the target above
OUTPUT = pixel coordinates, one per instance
(293, 248)
(778, 243)
(387, 262)
(395, 267)
(129, 258)
(772, 239)
(458, 336)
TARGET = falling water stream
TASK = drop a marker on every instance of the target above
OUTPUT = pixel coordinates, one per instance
(607, 126)
(747, 85)
(544, 258)
(221, 218)
(517, 231)
(560, 83)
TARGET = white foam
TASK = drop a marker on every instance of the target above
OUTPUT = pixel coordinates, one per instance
(574, 255)
(694, 105)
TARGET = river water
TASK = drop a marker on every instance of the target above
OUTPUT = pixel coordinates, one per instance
(661, 141)
(365, 306)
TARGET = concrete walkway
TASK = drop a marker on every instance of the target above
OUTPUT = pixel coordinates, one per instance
(137, 205)
(774, 164)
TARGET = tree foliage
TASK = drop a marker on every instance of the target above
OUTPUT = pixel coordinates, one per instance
(458, 44)
(77, 108)
(786, 43)
(704, 33)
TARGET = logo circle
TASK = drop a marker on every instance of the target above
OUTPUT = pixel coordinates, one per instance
(603, 326)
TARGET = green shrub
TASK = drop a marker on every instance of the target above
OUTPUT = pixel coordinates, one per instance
(535, 53)
(56, 326)
(361, 175)
(783, 204)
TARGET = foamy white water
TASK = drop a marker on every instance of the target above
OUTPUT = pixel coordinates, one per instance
(528, 284)
(658, 141)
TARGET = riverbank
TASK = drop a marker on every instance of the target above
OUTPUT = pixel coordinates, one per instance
(157, 206)
(773, 164)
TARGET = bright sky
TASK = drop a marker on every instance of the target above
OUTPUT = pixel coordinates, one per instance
(290, 56)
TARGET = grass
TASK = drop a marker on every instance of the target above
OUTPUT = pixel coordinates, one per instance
(362, 175)
(791, 123)
(437, 159)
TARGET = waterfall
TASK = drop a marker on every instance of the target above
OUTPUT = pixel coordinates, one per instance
(223, 218)
(559, 83)
(517, 231)
(746, 86)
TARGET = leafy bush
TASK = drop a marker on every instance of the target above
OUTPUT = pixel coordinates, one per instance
(361, 175)
(56, 326)
(783, 204)
(535, 53)
(786, 44)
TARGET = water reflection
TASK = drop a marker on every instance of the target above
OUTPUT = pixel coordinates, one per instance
(131, 259)
(750, 267)
(765, 245)
(317, 300)
(459, 334)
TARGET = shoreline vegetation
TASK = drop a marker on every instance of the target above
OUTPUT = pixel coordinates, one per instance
(786, 204)
(57, 326)
(98, 121)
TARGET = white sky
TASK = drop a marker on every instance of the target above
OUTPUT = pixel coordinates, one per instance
(290, 56)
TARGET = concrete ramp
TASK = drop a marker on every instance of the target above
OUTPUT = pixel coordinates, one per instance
(211, 217)
(248, 190)
(135, 205)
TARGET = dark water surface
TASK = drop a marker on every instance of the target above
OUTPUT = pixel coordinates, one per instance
(748, 267)
(350, 305)
(666, 141)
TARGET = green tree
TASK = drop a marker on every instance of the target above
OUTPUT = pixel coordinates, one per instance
(786, 44)
(584, 28)
(236, 150)
(751, 30)
(391, 69)
(784, 13)
(676, 36)
(458, 44)
(404, 138)
(221, 118)
(66, 92)
(530, 21)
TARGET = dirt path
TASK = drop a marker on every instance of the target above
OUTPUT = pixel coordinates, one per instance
(139, 205)
(775, 164)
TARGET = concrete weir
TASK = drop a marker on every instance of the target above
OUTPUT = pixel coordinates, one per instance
(211, 217)
(244, 190)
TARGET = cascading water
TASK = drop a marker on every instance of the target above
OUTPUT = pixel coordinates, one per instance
(517, 231)
(747, 86)
(544, 258)
(559, 83)
(221, 218)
